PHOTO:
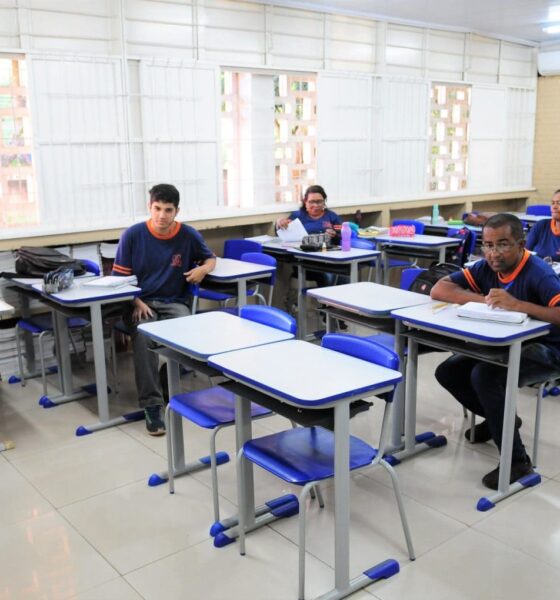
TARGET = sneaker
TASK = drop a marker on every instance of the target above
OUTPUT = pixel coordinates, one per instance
(154, 421)
(482, 432)
(519, 469)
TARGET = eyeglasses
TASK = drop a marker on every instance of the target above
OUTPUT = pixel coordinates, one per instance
(317, 202)
(500, 247)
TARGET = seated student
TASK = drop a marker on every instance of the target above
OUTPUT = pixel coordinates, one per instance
(513, 279)
(165, 256)
(316, 218)
(544, 236)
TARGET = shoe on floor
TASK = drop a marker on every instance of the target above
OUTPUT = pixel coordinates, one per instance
(482, 432)
(154, 420)
(518, 469)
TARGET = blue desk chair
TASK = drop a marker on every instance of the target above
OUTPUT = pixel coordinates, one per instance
(260, 258)
(41, 325)
(365, 245)
(396, 263)
(305, 456)
(214, 408)
(539, 210)
(221, 293)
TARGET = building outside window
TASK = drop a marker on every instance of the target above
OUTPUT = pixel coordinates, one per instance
(18, 197)
(449, 137)
(268, 132)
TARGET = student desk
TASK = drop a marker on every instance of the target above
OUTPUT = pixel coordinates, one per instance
(229, 270)
(301, 382)
(191, 340)
(332, 261)
(432, 243)
(91, 299)
(370, 304)
(498, 343)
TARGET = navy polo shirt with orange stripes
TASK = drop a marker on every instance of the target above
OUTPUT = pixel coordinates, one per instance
(533, 281)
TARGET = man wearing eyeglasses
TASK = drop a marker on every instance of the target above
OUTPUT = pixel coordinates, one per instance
(513, 279)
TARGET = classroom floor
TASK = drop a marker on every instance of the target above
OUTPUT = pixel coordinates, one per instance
(77, 519)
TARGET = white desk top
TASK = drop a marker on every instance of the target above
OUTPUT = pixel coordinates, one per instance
(336, 256)
(421, 240)
(204, 334)
(368, 298)
(446, 321)
(228, 269)
(79, 294)
(303, 373)
(6, 309)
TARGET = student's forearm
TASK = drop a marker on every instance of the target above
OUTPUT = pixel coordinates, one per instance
(209, 265)
(550, 314)
(448, 291)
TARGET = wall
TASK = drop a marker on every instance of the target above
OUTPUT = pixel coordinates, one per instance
(546, 172)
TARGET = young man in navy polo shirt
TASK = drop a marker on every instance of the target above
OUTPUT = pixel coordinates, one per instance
(513, 279)
(165, 256)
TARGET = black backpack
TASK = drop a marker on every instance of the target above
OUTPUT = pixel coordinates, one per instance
(36, 261)
(424, 283)
(460, 254)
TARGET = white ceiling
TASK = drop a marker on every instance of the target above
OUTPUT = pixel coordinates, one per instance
(516, 20)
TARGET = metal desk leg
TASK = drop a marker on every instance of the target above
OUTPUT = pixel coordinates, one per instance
(302, 303)
(241, 292)
(413, 444)
(397, 425)
(353, 272)
(505, 489)
(101, 381)
(385, 266)
(442, 254)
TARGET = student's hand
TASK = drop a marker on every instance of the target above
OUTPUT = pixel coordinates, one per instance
(141, 311)
(283, 223)
(330, 232)
(499, 298)
(196, 275)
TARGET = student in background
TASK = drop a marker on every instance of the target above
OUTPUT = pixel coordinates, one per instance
(513, 279)
(313, 214)
(544, 236)
(165, 256)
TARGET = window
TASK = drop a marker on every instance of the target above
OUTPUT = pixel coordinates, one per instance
(449, 137)
(18, 199)
(268, 131)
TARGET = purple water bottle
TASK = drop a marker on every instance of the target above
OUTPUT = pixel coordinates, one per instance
(345, 235)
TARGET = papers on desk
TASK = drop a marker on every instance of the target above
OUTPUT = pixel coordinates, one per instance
(262, 239)
(293, 233)
(112, 281)
(483, 312)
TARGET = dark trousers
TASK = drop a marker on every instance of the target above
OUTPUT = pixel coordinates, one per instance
(481, 387)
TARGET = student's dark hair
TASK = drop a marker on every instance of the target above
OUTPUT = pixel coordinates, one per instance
(165, 192)
(556, 192)
(505, 219)
(313, 189)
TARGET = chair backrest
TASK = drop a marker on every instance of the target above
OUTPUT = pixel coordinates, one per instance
(363, 348)
(459, 255)
(260, 258)
(418, 225)
(362, 244)
(235, 248)
(269, 315)
(90, 266)
(539, 210)
(408, 276)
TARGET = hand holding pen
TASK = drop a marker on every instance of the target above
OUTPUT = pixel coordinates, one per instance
(501, 298)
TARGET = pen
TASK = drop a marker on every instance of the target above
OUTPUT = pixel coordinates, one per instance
(440, 306)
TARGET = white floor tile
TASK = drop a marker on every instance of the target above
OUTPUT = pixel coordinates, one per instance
(88, 466)
(136, 524)
(46, 558)
(117, 589)
(472, 566)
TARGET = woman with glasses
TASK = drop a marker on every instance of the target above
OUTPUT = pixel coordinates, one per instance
(544, 237)
(313, 214)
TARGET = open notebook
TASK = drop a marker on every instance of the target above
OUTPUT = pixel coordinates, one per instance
(112, 281)
(483, 312)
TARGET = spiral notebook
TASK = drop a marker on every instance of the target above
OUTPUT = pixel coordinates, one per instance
(483, 312)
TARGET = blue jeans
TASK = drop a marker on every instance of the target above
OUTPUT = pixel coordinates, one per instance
(481, 387)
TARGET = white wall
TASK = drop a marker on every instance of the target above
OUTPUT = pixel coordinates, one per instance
(125, 93)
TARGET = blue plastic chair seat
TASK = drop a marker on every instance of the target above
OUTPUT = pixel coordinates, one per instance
(304, 454)
(42, 323)
(210, 407)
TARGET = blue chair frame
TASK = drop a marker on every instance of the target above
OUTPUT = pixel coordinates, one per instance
(539, 210)
(214, 408)
(305, 456)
